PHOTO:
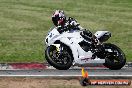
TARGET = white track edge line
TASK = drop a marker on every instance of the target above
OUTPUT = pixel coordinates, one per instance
(64, 75)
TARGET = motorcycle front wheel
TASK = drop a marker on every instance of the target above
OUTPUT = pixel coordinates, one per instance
(115, 58)
(60, 60)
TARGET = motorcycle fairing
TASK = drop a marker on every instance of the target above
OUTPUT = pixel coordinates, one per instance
(72, 40)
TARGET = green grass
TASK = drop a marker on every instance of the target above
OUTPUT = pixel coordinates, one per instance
(24, 24)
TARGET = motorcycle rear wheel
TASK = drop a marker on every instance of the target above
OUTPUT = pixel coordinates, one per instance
(58, 62)
(116, 59)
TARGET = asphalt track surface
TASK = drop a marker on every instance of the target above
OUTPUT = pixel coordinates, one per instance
(71, 73)
(46, 71)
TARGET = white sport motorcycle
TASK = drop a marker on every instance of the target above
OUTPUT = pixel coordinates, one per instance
(72, 48)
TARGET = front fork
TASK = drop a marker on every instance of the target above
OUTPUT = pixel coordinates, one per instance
(59, 48)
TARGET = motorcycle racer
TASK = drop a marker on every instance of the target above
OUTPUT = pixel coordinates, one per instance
(68, 44)
(64, 23)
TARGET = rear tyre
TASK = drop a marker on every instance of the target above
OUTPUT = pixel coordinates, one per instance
(61, 61)
(115, 58)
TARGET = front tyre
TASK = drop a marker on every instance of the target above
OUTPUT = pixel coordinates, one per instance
(115, 58)
(61, 61)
